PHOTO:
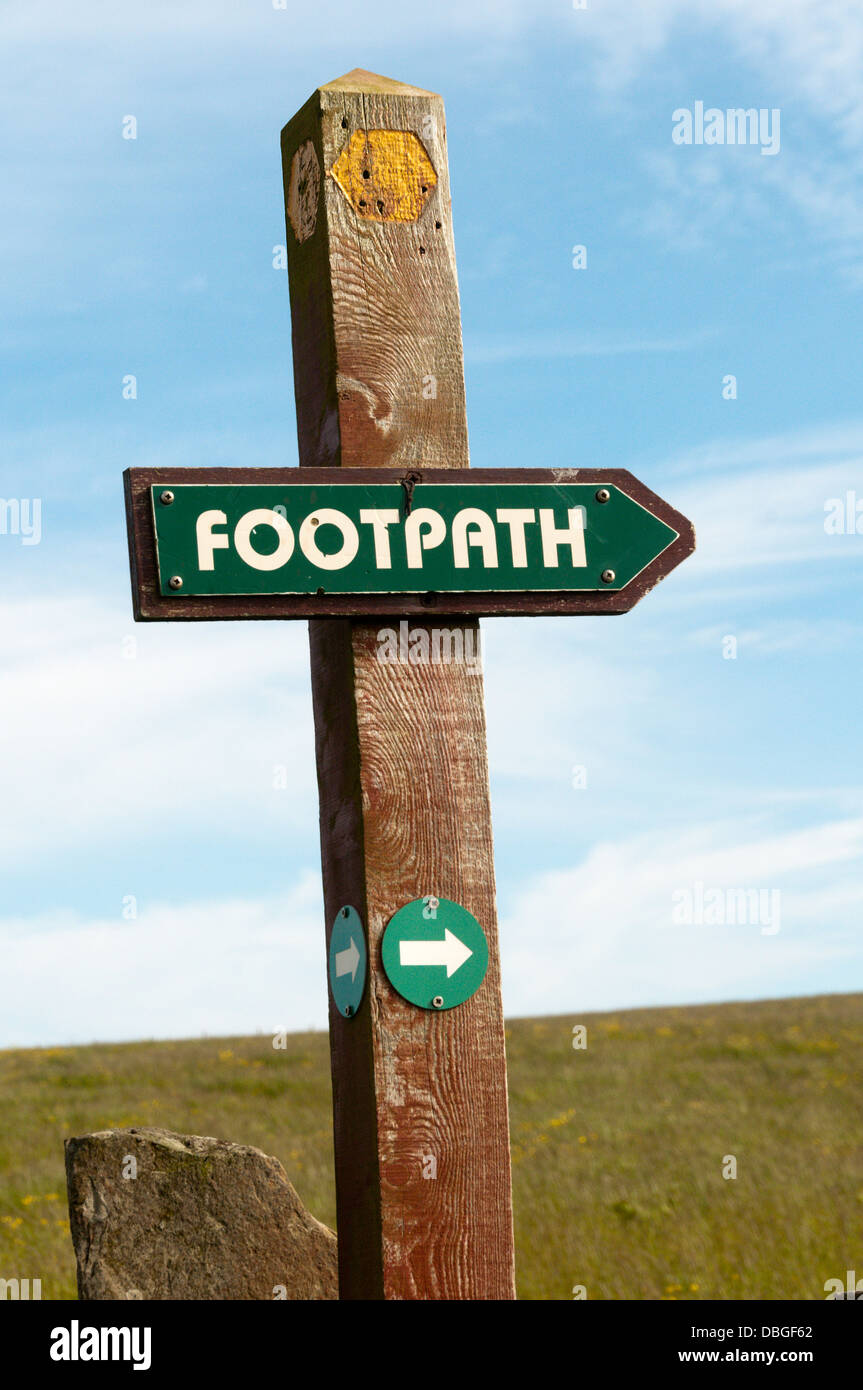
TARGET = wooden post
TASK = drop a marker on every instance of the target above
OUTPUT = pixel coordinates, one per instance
(401, 749)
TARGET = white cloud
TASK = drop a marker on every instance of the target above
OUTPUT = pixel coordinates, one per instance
(595, 936)
(235, 966)
(807, 61)
(837, 442)
(600, 935)
(693, 197)
(815, 50)
(775, 513)
(98, 745)
(813, 637)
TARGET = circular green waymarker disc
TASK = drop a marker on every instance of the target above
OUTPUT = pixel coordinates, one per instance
(435, 953)
(348, 959)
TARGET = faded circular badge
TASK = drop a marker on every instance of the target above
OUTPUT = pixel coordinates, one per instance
(303, 190)
(348, 960)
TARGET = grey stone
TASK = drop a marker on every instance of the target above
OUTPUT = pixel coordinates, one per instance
(202, 1219)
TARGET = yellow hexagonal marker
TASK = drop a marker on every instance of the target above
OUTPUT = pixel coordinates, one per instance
(385, 175)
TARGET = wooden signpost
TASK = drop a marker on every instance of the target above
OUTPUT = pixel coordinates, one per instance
(382, 520)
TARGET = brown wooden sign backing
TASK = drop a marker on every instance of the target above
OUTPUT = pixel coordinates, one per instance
(152, 606)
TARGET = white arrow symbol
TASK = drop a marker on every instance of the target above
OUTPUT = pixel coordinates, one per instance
(450, 952)
(347, 961)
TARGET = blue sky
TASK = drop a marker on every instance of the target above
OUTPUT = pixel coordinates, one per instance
(138, 762)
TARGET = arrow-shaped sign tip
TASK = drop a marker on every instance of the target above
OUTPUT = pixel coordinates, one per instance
(347, 961)
(456, 952)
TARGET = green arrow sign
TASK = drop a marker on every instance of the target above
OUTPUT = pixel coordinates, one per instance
(435, 953)
(348, 961)
(401, 538)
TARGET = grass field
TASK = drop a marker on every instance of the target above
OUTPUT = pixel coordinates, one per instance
(618, 1149)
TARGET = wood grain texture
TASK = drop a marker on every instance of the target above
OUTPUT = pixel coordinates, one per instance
(402, 765)
(150, 605)
(374, 305)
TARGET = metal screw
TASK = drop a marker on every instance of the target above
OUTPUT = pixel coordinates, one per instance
(607, 576)
(175, 582)
(166, 497)
(603, 494)
(349, 1008)
(438, 1001)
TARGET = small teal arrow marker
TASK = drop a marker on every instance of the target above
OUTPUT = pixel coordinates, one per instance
(435, 953)
(348, 960)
